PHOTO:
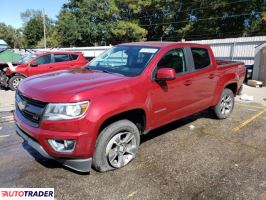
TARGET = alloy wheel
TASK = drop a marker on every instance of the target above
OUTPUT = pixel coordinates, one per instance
(226, 104)
(16, 82)
(121, 149)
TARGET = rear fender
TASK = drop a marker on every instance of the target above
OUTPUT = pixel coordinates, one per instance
(223, 82)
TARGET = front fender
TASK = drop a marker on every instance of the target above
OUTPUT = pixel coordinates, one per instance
(17, 70)
(101, 110)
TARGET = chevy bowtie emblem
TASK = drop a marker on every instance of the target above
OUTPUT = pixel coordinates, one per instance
(22, 105)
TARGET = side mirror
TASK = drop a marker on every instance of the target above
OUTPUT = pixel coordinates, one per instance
(165, 74)
(34, 64)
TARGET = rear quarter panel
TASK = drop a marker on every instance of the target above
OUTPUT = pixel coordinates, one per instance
(234, 73)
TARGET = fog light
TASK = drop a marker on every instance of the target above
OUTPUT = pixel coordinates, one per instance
(62, 145)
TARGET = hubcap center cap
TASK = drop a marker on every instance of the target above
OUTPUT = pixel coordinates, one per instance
(122, 148)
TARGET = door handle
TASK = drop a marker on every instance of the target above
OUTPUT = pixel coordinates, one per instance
(188, 82)
(211, 76)
(50, 67)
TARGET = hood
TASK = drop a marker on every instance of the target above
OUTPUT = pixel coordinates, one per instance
(62, 86)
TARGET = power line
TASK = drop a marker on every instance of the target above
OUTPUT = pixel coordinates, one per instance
(201, 8)
(208, 35)
(200, 19)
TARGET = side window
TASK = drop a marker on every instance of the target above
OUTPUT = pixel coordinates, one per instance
(201, 58)
(61, 57)
(73, 56)
(44, 59)
(174, 59)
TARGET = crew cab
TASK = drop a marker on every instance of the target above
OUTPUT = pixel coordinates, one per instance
(38, 63)
(94, 116)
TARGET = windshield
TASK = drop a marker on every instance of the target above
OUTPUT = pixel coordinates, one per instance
(26, 58)
(125, 60)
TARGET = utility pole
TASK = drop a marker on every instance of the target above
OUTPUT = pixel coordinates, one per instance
(44, 29)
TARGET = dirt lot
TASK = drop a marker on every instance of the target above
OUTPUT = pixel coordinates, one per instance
(198, 157)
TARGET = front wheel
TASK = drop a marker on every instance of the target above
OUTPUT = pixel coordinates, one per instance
(14, 82)
(116, 146)
(226, 104)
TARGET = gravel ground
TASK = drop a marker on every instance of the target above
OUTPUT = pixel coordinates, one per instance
(7, 100)
(198, 157)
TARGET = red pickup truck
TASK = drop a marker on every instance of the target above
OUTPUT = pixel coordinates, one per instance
(12, 73)
(94, 116)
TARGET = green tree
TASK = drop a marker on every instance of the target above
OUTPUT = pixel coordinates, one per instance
(12, 36)
(202, 19)
(68, 29)
(33, 27)
(89, 22)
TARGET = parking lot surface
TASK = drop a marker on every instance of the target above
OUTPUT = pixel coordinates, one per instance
(198, 157)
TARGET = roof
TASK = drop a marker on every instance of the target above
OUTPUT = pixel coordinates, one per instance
(160, 44)
(9, 56)
(59, 52)
(150, 44)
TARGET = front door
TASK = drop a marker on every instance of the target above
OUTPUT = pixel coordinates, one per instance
(171, 99)
(44, 65)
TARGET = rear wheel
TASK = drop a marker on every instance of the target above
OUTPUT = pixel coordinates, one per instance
(226, 104)
(116, 146)
(14, 82)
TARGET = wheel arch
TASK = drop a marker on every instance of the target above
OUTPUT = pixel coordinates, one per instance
(232, 85)
(137, 116)
(17, 74)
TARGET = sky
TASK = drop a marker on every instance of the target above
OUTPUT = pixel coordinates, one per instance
(10, 9)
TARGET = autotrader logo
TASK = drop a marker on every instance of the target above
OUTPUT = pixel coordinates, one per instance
(27, 193)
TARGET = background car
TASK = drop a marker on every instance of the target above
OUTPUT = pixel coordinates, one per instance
(39, 63)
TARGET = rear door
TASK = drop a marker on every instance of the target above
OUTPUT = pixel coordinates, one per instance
(44, 65)
(77, 60)
(62, 61)
(204, 78)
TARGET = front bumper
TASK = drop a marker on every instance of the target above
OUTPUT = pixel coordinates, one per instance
(81, 165)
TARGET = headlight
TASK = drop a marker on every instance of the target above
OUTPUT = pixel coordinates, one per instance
(61, 111)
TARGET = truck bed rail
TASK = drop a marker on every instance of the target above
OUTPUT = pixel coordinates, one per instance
(225, 63)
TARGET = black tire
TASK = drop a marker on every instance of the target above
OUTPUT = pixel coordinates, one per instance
(225, 105)
(101, 159)
(14, 82)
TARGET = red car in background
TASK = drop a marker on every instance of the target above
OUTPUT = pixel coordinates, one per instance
(39, 63)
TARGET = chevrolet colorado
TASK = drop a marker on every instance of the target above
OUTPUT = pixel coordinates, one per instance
(94, 116)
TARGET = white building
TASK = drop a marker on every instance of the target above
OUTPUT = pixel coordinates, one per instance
(3, 45)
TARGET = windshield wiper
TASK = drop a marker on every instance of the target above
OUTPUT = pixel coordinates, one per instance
(105, 71)
(101, 70)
